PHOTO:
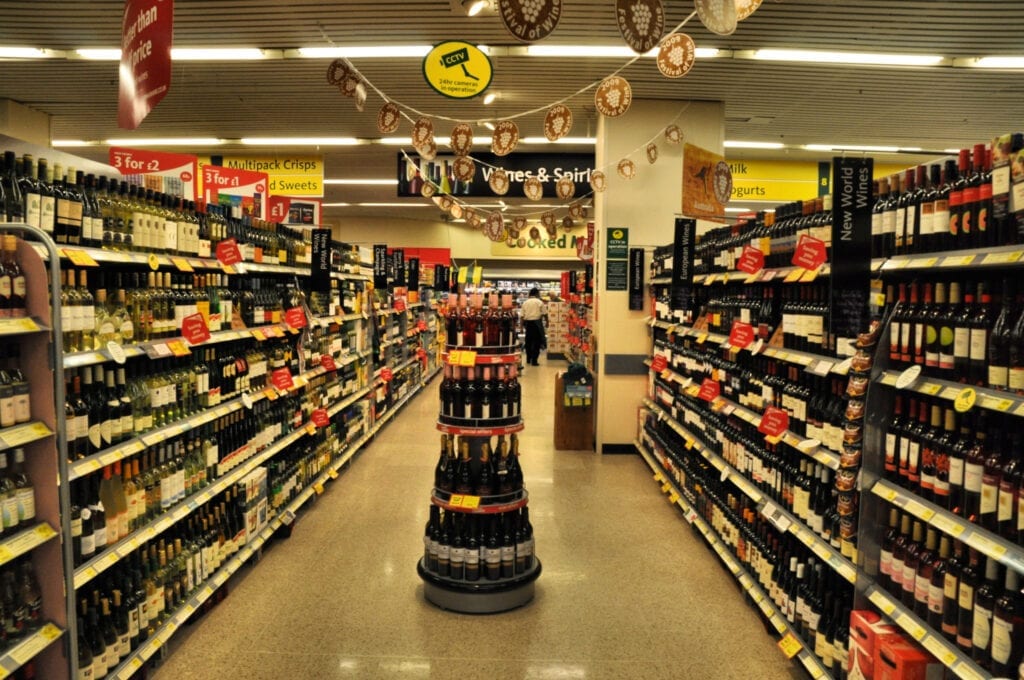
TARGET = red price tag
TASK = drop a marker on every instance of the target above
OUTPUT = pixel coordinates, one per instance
(659, 363)
(320, 417)
(228, 252)
(810, 252)
(295, 317)
(751, 260)
(741, 335)
(422, 325)
(386, 374)
(282, 379)
(327, 361)
(194, 330)
(399, 305)
(709, 389)
(774, 422)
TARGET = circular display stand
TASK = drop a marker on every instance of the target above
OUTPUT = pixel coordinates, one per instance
(485, 504)
(479, 597)
(487, 355)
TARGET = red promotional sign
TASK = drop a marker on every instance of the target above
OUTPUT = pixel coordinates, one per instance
(659, 363)
(709, 389)
(218, 180)
(327, 361)
(228, 252)
(400, 305)
(282, 379)
(320, 417)
(278, 207)
(385, 374)
(295, 317)
(774, 422)
(182, 168)
(741, 335)
(147, 30)
(810, 252)
(422, 325)
(193, 329)
(751, 260)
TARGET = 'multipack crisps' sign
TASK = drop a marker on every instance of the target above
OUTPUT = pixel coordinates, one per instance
(287, 175)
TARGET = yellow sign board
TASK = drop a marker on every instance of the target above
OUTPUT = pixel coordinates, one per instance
(783, 181)
(287, 174)
(457, 69)
(563, 245)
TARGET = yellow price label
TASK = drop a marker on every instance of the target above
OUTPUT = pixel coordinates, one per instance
(227, 268)
(810, 275)
(154, 261)
(80, 258)
(463, 274)
(332, 473)
(965, 400)
(790, 646)
(710, 280)
(930, 388)
(44, 531)
(702, 338)
(958, 261)
(182, 264)
(996, 404)
(794, 275)
(310, 428)
(319, 488)
(178, 348)
(986, 545)
(258, 334)
(673, 497)
(456, 500)
(478, 274)
(471, 502)
(467, 358)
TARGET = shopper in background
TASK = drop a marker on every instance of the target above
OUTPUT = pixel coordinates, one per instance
(532, 311)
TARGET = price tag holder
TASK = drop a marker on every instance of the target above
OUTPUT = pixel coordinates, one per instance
(319, 488)
(80, 258)
(790, 646)
(178, 348)
(116, 352)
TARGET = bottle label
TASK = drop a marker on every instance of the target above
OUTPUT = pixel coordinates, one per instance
(88, 545)
(934, 598)
(18, 286)
(1016, 378)
(982, 627)
(927, 215)
(966, 599)
(989, 494)
(979, 343)
(956, 472)
(48, 214)
(33, 206)
(9, 511)
(972, 477)
(1002, 640)
(962, 342)
(26, 503)
(5, 287)
(950, 587)
(998, 376)
(1005, 502)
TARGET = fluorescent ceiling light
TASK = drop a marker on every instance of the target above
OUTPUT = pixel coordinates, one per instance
(473, 7)
(864, 58)
(852, 147)
(563, 140)
(364, 52)
(951, 150)
(23, 53)
(740, 210)
(489, 98)
(992, 62)
(334, 205)
(396, 205)
(99, 54)
(488, 124)
(164, 141)
(300, 141)
(362, 182)
(71, 142)
(736, 144)
(606, 51)
(217, 54)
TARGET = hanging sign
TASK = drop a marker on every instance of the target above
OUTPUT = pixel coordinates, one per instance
(682, 261)
(707, 183)
(287, 174)
(751, 260)
(147, 31)
(617, 247)
(810, 252)
(636, 279)
(247, 188)
(850, 280)
(169, 173)
(457, 69)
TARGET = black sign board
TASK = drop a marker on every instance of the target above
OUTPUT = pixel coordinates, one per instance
(414, 272)
(616, 274)
(851, 250)
(572, 281)
(398, 266)
(547, 167)
(380, 266)
(682, 261)
(320, 277)
(636, 278)
(588, 278)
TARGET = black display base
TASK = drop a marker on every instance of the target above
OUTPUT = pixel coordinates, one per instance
(479, 597)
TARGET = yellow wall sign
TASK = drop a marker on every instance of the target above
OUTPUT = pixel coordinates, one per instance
(288, 174)
(457, 69)
(563, 245)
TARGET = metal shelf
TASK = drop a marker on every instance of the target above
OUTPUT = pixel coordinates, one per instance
(983, 541)
(1003, 256)
(24, 541)
(28, 648)
(993, 400)
(22, 326)
(786, 274)
(26, 433)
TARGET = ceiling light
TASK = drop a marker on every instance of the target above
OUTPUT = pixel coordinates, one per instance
(218, 54)
(862, 58)
(606, 51)
(164, 141)
(364, 52)
(473, 7)
(24, 53)
(489, 98)
(563, 140)
(736, 144)
(362, 182)
(334, 205)
(300, 141)
(99, 54)
(396, 205)
(71, 142)
(991, 62)
(488, 124)
(740, 210)
(852, 147)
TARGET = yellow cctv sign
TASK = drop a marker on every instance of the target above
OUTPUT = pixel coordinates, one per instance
(457, 69)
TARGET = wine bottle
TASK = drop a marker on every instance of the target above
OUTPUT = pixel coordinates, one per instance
(1008, 627)
(984, 605)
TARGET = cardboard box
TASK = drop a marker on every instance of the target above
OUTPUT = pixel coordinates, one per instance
(866, 627)
(897, 658)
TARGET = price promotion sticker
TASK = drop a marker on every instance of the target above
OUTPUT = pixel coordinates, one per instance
(774, 422)
(182, 264)
(327, 361)
(790, 646)
(295, 317)
(421, 325)
(320, 417)
(400, 305)
(751, 260)
(228, 253)
(741, 335)
(467, 358)
(178, 348)
(194, 329)
(386, 375)
(154, 262)
(80, 258)
(709, 389)
(659, 363)
(282, 379)
(810, 252)
(965, 400)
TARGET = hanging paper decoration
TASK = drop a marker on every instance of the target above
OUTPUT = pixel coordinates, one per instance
(744, 8)
(641, 23)
(676, 55)
(565, 188)
(464, 169)
(360, 97)
(495, 227)
(518, 224)
(535, 233)
(576, 210)
(462, 139)
(673, 135)
(422, 135)
(557, 122)
(530, 20)
(499, 182)
(613, 96)
(428, 151)
(548, 220)
(718, 16)
(598, 181)
(505, 138)
(349, 85)
(533, 188)
(338, 71)
(388, 118)
(567, 223)
(652, 153)
(627, 169)
(444, 202)
(521, 242)
(469, 213)
(428, 189)
(456, 210)
(721, 182)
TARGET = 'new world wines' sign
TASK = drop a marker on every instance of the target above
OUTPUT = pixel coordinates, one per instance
(547, 167)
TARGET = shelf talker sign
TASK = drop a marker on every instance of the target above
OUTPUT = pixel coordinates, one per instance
(242, 185)
(147, 30)
(168, 173)
(457, 69)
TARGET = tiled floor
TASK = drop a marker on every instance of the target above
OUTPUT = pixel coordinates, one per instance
(626, 591)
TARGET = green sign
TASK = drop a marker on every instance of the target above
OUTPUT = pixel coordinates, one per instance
(618, 244)
(617, 275)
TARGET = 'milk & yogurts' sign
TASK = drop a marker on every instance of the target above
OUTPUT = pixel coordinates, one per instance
(147, 30)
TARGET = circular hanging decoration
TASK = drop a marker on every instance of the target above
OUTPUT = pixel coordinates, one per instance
(456, 210)
(652, 153)
(673, 135)
(464, 169)
(495, 227)
(422, 132)
(576, 210)
(548, 220)
(557, 122)
(721, 182)
(499, 182)
(427, 151)
(505, 138)
(349, 84)
(518, 224)
(533, 189)
(444, 202)
(462, 139)
(565, 188)
(360, 97)
(641, 23)
(428, 189)
(530, 20)
(510, 242)
(567, 223)
(535, 233)
(718, 16)
(627, 169)
(676, 55)
(613, 96)
(337, 71)
(744, 8)
(388, 118)
(598, 181)
(472, 219)
(552, 231)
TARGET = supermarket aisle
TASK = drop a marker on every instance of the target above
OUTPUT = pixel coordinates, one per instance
(626, 591)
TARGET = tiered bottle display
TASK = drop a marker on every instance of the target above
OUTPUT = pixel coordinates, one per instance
(479, 551)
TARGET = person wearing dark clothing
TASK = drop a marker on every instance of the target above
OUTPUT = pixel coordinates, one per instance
(532, 312)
